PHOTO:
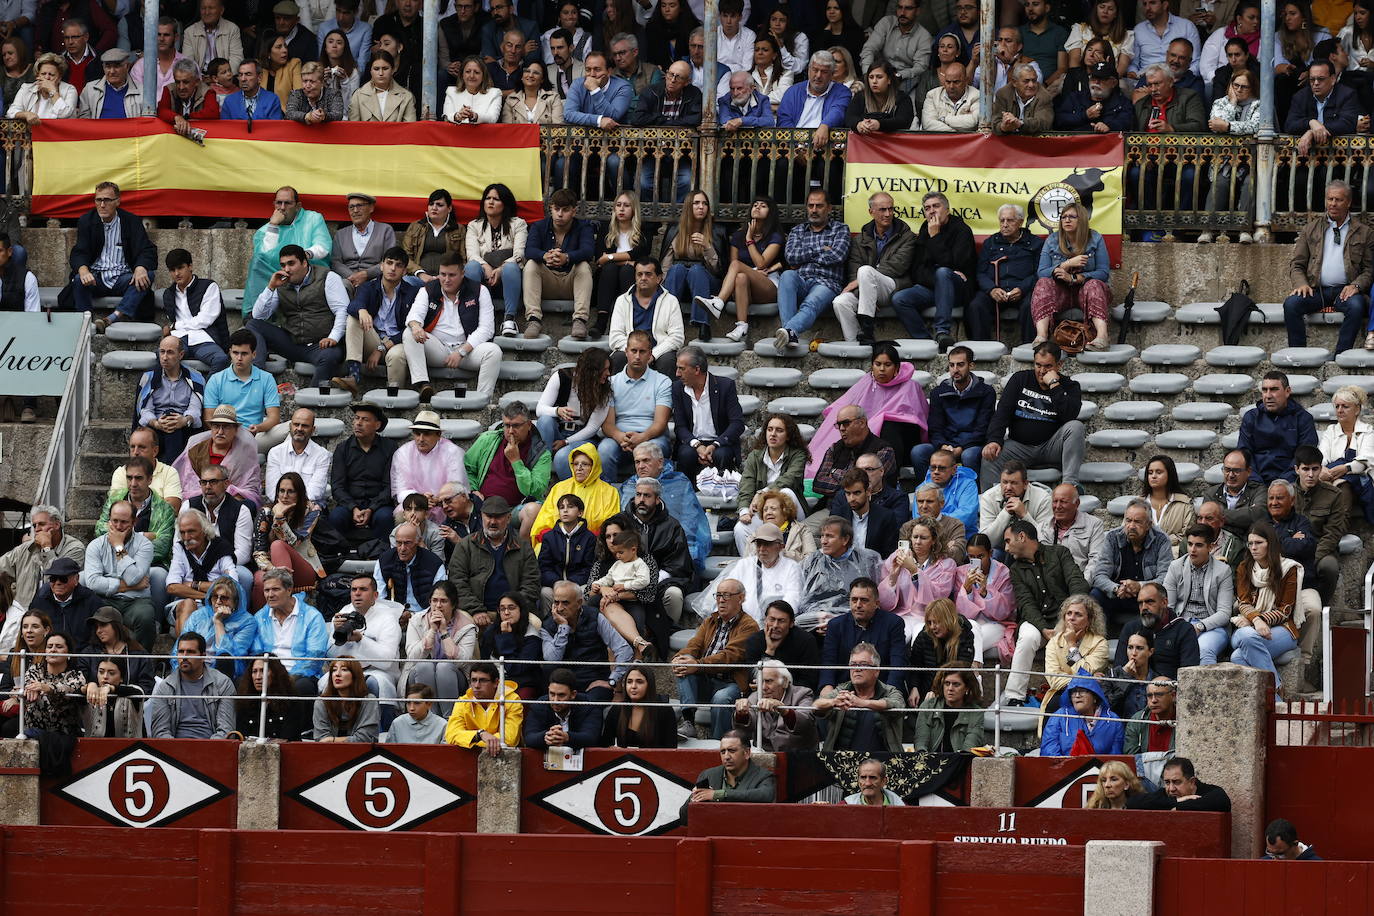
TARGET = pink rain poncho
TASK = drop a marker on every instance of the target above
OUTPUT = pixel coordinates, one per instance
(899, 401)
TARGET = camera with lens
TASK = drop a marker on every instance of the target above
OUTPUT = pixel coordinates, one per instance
(352, 622)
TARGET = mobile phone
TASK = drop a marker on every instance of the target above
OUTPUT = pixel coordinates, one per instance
(904, 545)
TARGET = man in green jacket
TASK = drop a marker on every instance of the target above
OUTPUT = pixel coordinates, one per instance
(1143, 731)
(512, 462)
(737, 779)
(1042, 577)
(491, 562)
(154, 518)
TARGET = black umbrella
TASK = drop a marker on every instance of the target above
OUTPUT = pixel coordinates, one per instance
(1235, 314)
(1126, 309)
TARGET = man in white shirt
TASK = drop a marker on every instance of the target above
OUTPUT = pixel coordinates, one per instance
(376, 645)
(767, 575)
(952, 107)
(302, 454)
(734, 42)
(313, 306)
(1013, 497)
(451, 324)
(194, 307)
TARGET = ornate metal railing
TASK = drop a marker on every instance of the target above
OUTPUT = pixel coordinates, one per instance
(1199, 182)
(1299, 182)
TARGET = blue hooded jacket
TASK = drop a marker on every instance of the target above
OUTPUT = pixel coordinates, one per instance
(1107, 737)
(240, 630)
(310, 644)
(683, 505)
(961, 498)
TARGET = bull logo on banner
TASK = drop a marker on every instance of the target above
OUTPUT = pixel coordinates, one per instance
(141, 787)
(1047, 203)
(379, 791)
(626, 797)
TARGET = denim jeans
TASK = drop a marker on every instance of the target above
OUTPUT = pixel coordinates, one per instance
(1211, 644)
(1252, 650)
(692, 688)
(132, 300)
(950, 290)
(1355, 309)
(210, 354)
(611, 453)
(274, 339)
(687, 281)
(681, 185)
(971, 458)
(800, 318)
(508, 284)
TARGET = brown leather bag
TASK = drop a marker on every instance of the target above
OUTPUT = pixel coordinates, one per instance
(1071, 336)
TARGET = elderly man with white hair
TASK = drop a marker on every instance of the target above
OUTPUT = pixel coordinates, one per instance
(1008, 266)
(785, 708)
(25, 563)
(879, 264)
(199, 557)
(1069, 526)
(766, 575)
(929, 502)
(677, 494)
(818, 103)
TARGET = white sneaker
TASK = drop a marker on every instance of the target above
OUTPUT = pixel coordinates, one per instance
(1205, 238)
(715, 304)
(781, 339)
(741, 329)
(1246, 238)
(508, 328)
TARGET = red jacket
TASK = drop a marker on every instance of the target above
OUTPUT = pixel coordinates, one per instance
(207, 109)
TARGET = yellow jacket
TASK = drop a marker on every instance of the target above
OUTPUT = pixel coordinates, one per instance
(469, 718)
(600, 500)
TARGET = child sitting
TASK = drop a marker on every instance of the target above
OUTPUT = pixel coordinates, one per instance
(628, 573)
(420, 725)
(568, 549)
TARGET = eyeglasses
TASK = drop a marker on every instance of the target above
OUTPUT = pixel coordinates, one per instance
(221, 599)
(106, 200)
(212, 481)
(843, 424)
(1233, 470)
(721, 595)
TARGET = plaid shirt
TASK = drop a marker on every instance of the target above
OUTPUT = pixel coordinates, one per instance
(819, 257)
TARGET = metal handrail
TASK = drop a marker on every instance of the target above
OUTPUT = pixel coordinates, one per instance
(73, 413)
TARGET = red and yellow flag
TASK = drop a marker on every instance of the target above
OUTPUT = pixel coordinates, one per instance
(233, 175)
(980, 172)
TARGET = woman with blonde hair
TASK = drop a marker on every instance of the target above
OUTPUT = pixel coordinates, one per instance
(1079, 643)
(1347, 447)
(620, 243)
(1074, 269)
(476, 101)
(846, 74)
(47, 97)
(946, 639)
(917, 574)
(1116, 784)
(777, 508)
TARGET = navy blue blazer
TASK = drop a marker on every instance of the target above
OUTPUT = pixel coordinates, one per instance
(268, 108)
(580, 243)
(883, 525)
(725, 411)
(139, 250)
(369, 296)
(1341, 111)
(584, 723)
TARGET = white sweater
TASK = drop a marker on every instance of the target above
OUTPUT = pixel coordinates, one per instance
(487, 106)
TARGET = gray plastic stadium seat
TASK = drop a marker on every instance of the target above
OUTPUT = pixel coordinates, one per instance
(1118, 438)
(1198, 313)
(1336, 383)
(1116, 355)
(1165, 383)
(303, 369)
(521, 345)
(513, 371)
(1325, 412)
(1100, 382)
(1230, 440)
(767, 350)
(749, 404)
(198, 366)
(985, 350)
(1188, 472)
(233, 299)
(1048, 476)
(1300, 357)
(1202, 412)
(1235, 357)
(530, 398)
(398, 429)
(1349, 544)
(1024, 353)
(1089, 503)
(328, 427)
(717, 564)
(47, 296)
(773, 377)
(1223, 383)
(711, 501)
(1189, 439)
(1133, 411)
(679, 640)
(557, 306)
(137, 360)
(834, 379)
(1213, 475)
(1303, 385)
(405, 399)
(756, 309)
(311, 397)
(1117, 505)
(923, 378)
(1087, 410)
(462, 430)
(276, 365)
(1358, 358)
(845, 349)
(449, 400)
(720, 346)
(568, 345)
(1170, 355)
(807, 431)
(916, 348)
(357, 567)
(134, 332)
(1109, 472)
(1148, 312)
(796, 407)
(723, 371)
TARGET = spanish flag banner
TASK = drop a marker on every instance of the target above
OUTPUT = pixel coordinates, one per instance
(236, 170)
(981, 172)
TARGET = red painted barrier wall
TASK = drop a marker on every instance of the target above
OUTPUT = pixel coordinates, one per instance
(1326, 792)
(1195, 834)
(1059, 782)
(1185, 887)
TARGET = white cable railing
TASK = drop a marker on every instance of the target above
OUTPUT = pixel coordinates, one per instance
(72, 415)
(756, 668)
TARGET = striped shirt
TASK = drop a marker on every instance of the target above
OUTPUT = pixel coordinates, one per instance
(111, 264)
